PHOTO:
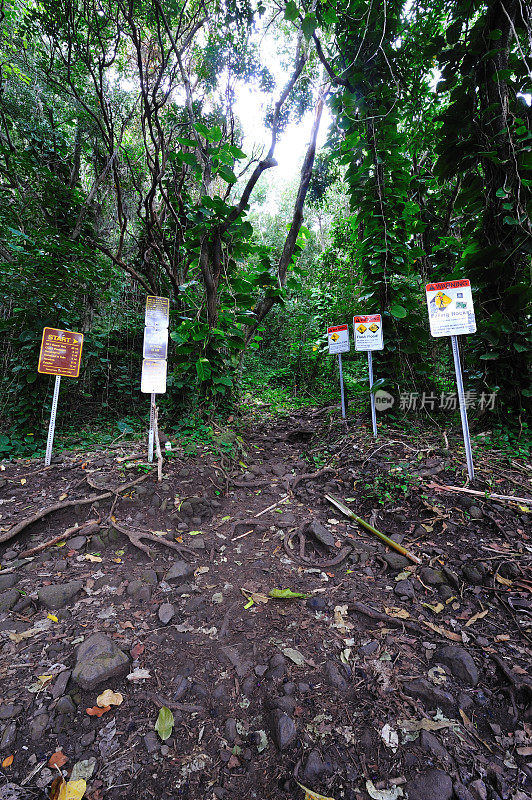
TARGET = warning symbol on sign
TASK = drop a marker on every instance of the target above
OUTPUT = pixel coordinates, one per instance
(374, 328)
(361, 329)
(442, 301)
(335, 337)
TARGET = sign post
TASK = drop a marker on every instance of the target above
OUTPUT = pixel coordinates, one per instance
(451, 313)
(60, 355)
(368, 337)
(154, 352)
(338, 339)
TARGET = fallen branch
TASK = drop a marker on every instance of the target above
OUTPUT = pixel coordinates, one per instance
(84, 528)
(273, 505)
(484, 495)
(386, 539)
(20, 526)
(310, 476)
(303, 559)
(136, 536)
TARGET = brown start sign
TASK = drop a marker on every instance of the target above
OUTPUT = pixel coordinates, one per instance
(60, 353)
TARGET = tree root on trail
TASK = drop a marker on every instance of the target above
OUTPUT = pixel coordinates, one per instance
(84, 528)
(136, 536)
(303, 559)
(20, 526)
(310, 476)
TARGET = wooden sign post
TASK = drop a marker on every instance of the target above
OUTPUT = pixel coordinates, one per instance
(60, 355)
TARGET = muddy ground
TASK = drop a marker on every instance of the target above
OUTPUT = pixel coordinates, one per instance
(391, 679)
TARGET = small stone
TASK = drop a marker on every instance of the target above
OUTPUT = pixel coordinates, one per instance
(99, 659)
(9, 735)
(58, 595)
(368, 649)
(433, 784)
(314, 768)
(230, 730)
(8, 599)
(478, 790)
(77, 542)
(149, 576)
(460, 662)
(134, 587)
(431, 696)
(143, 595)
(462, 792)
(87, 739)
(396, 562)
(283, 729)
(472, 574)
(475, 512)
(431, 744)
(334, 676)
(60, 684)
(97, 544)
(405, 588)
(10, 710)
(151, 742)
(65, 705)
(289, 688)
(317, 603)
(431, 577)
(8, 581)
(179, 572)
(166, 613)
(38, 726)
(320, 533)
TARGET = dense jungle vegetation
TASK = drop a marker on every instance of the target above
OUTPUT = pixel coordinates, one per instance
(125, 170)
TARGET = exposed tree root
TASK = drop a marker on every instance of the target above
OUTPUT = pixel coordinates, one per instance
(84, 528)
(136, 536)
(304, 559)
(20, 526)
(310, 476)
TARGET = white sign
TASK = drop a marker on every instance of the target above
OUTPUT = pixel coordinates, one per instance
(368, 332)
(338, 338)
(451, 311)
(153, 379)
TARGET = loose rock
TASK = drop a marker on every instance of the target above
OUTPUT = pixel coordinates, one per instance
(283, 729)
(98, 660)
(460, 662)
(58, 595)
(433, 784)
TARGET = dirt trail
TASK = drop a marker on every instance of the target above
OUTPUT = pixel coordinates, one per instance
(389, 680)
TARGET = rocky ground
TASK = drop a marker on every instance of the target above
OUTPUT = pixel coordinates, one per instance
(389, 680)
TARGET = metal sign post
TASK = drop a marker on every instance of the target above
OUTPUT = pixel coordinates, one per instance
(154, 352)
(51, 427)
(371, 394)
(451, 313)
(342, 396)
(338, 341)
(152, 425)
(368, 337)
(463, 408)
(60, 354)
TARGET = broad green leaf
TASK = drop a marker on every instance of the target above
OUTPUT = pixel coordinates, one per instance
(309, 25)
(165, 723)
(291, 11)
(398, 311)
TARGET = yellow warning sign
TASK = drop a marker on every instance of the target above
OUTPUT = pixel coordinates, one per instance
(374, 328)
(441, 300)
(361, 328)
(335, 337)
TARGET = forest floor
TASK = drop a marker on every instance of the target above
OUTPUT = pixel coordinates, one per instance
(390, 680)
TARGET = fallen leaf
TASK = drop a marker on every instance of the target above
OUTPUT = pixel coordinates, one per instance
(390, 737)
(19, 637)
(310, 795)
(523, 751)
(286, 594)
(63, 496)
(295, 656)
(194, 533)
(73, 790)
(8, 761)
(97, 712)
(399, 613)
(90, 557)
(137, 650)
(58, 759)
(455, 637)
(502, 637)
(23, 481)
(52, 617)
(83, 769)
(437, 608)
(42, 681)
(383, 794)
(109, 698)
(480, 615)
(165, 723)
(504, 581)
(138, 675)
